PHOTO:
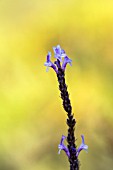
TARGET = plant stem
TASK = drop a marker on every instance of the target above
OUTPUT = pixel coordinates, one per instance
(74, 162)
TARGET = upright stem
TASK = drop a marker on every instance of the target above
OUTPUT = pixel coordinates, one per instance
(74, 163)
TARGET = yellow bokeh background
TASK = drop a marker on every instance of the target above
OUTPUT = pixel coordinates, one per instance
(32, 119)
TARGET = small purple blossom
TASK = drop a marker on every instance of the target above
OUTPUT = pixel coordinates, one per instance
(66, 61)
(59, 53)
(48, 63)
(82, 146)
(61, 146)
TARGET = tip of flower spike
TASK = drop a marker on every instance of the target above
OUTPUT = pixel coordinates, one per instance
(59, 53)
(61, 57)
(57, 50)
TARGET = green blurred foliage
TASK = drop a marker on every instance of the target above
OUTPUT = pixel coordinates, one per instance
(31, 116)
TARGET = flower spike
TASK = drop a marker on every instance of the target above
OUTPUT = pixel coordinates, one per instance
(82, 146)
(61, 146)
(48, 63)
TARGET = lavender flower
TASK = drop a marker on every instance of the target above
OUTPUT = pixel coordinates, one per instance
(59, 53)
(48, 63)
(65, 62)
(61, 146)
(82, 146)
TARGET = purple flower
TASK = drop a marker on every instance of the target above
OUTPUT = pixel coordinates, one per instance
(66, 61)
(61, 146)
(61, 62)
(59, 53)
(48, 63)
(82, 146)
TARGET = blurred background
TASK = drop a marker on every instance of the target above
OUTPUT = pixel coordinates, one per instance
(32, 119)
